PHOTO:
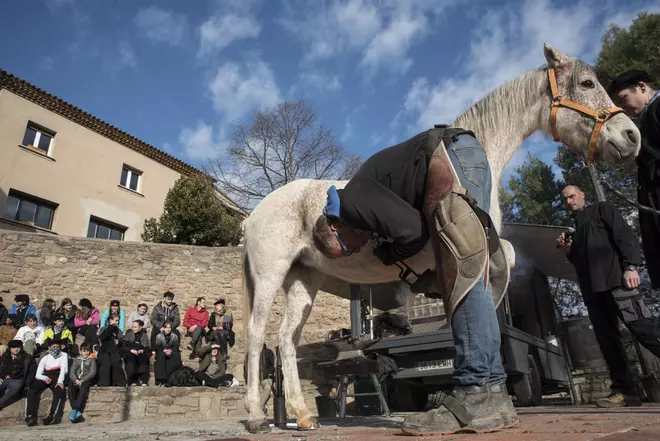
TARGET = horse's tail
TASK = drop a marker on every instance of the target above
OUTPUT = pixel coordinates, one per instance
(248, 292)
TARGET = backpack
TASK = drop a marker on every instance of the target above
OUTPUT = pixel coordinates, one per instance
(184, 377)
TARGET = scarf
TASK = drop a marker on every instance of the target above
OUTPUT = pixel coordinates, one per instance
(55, 352)
(58, 329)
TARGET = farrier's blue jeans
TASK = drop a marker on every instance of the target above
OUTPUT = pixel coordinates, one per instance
(474, 323)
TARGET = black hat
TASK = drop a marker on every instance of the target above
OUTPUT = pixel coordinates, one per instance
(219, 302)
(15, 344)
(85, 303)
(627, 79)
(22, 298)
(114, 303)
(53, 341)
(59, 316)
(169, 294)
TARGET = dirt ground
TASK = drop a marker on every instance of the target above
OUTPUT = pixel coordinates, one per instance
(538, 424)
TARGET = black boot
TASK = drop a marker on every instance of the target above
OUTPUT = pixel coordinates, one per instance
(468, 409)
(502, 401)
(48, 420)
(31, 421)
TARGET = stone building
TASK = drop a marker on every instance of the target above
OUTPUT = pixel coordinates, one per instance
(65, 171)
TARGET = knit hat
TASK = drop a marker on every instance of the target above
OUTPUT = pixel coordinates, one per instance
(52, 341)
(86, 303)
(22, 298)
(115, 303)
(59, 316)
(627, 79)
(15, 344)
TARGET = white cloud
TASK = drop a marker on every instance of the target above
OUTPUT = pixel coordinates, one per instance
(46, 63)
(127, 57)
(161, 25)
(199, 143)
(236, 90)
(315, 82)
(232, 22)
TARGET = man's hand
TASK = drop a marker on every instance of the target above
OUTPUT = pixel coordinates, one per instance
(47, 380)
(564, 241)
(631, 279)
(134, 352)
(60, 385)
(78, 383)
(168, 352)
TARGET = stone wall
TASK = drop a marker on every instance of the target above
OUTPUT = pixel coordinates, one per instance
(46, 266)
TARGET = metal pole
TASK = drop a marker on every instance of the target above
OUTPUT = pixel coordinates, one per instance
(371, 315)
(356, 312)
(279, 404)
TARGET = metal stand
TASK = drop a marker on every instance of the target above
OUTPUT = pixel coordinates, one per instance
(378, 391)
(564, 348)
(279, 402)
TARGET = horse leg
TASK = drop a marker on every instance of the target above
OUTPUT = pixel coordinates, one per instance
(301, 286)
(265, 291)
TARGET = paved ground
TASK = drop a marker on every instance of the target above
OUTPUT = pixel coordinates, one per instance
(538, 424)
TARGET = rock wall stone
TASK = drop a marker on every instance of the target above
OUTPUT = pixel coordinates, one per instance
(46, 266)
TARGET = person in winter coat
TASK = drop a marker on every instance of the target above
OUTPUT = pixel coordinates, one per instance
(4, 312)
(164, 310)
(168, 354)
(51, 373)
(81, 376)
(87, 321)
(115, 308)
(141, 313)
(60, 331)
(22, 308)
(45, 313)
(136, 351)
(220, 327)
(8, 332)
(212, 370)
(111, 371)
(69, 310)
(195, 321)
(31, 335)
(14, 368)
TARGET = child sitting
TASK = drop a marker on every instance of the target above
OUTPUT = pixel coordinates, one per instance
(31, 335)
(81, 377)
(51, 373)
(136, 354)
(14, 368)
(60, 331)
(168, 354)
(212, 369)
(111, 372)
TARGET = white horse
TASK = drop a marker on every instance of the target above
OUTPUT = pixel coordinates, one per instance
(280, 251)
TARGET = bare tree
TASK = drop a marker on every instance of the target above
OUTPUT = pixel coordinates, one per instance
(282, 143)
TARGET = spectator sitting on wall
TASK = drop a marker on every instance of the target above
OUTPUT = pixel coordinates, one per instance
(45, 313)
(220, 327)
(22, 308)
(266, 375)
(61, 332)
(141, 313)
(81, 376)
(165, 310)
(8, 332)
(111, 372)
(212, 370)
(14, 368)
(4, 312)
(87, 321)
(136, 354)
(168, 354)
(195, 321)
(51, 372)
(31, 335)
(115, 308)
(69, 310)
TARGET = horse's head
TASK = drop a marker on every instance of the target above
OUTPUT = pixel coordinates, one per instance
(583, 116)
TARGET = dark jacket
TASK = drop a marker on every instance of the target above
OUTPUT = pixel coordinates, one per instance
(222, 363)
(107, 337)
(266, 365)
(83, 369)
(136, 341)
(162, 342)
(159, 314)
(4, 313)
(648, 188)
(386, 196)
(15, 368)
(603, 244)
(227, 321)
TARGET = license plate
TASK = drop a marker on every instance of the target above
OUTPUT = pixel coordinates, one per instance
(434, 364)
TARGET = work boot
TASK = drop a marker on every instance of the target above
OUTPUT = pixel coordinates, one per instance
(47, 421)
(467, 409)
(502, 401)
(617, 399)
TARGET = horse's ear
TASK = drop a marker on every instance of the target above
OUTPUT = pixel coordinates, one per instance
(553, 56)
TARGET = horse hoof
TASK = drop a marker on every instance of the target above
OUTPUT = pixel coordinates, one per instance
(258, 426)
(310, 423)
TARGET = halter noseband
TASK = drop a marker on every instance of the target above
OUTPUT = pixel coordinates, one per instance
(599, 116)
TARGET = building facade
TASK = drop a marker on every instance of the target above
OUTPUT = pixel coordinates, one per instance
(67, 172)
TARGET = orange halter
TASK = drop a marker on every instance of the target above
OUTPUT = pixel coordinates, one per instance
(600, 116)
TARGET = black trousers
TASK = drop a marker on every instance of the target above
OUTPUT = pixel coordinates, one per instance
(196, 336)
(111, 371)
(166, 366)
(137, 368)
(34, 397)
(213, 382)
(604, 310)
(78, 395)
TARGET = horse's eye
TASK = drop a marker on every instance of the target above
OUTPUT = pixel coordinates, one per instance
(588, 84)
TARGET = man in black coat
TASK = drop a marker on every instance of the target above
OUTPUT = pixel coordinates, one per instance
(606, 254)
(633, 92)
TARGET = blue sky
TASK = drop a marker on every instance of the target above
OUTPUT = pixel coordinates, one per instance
(181, 74)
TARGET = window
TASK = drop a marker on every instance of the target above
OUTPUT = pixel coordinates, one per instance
(100, 229)
(130, 178)
(38, 137)
(22, 207)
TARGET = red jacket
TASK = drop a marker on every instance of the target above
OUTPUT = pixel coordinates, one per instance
(195, 317)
